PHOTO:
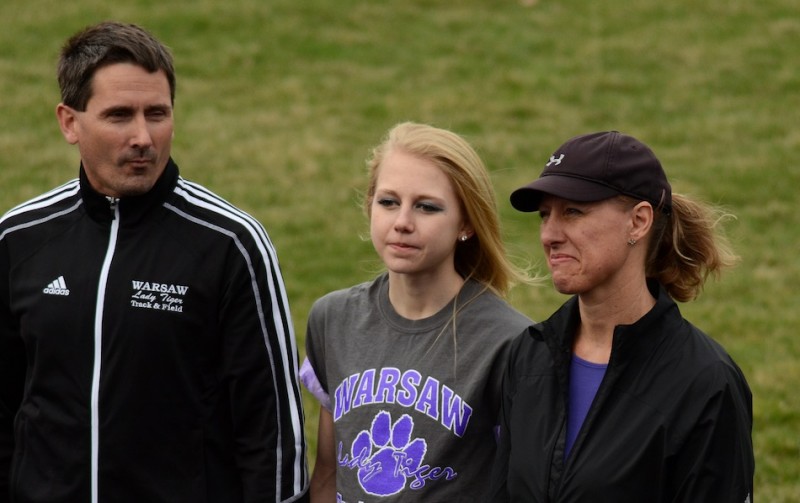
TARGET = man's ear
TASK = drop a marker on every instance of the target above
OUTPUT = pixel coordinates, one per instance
(67, 121)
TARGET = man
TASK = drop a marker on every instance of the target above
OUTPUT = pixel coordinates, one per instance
(146, 346)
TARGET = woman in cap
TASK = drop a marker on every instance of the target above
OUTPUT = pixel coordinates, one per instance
(616, 397)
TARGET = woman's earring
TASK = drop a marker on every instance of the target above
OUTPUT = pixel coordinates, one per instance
(463, 237)
(631, 241)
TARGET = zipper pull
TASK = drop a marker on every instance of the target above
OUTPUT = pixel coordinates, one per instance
(112, 204)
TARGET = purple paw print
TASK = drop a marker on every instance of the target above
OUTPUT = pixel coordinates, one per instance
(388, 455)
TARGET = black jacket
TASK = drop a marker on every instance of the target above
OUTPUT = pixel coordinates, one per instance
(154, 342)
(671, 421)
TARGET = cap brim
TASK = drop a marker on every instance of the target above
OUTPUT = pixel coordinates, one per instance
(529, 197)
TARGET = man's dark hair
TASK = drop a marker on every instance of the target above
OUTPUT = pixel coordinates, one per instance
(105, 44)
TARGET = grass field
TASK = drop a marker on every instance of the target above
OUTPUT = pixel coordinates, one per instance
(279, 102)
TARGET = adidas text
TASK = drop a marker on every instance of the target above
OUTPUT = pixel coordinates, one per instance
(56, 291)
(57, 287)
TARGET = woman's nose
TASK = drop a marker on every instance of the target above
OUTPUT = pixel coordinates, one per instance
(404, 221)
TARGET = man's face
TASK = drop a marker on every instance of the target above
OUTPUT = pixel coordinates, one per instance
(125, 134)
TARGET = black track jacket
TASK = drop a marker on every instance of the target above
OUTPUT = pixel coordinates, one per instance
(146, 352)
(671, 421)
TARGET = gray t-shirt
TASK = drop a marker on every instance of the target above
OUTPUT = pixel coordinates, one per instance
(414, 406)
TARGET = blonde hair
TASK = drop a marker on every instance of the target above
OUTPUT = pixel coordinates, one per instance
(483, 256)
(687, 246)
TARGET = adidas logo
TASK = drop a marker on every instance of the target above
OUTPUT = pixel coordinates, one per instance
(57, 287)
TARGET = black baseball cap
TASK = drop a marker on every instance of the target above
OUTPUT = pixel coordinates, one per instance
(597, 166)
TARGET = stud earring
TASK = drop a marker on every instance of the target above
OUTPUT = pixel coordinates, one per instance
(463, 237)
(631, 241)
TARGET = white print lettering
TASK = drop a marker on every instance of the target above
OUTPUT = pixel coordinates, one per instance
(160, 287)
(158, 296)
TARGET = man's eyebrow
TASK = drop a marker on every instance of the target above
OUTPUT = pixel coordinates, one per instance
(116, 109)
(124, 109)
(159, 107)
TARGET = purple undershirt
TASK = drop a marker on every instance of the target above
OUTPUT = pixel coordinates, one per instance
(584, 380)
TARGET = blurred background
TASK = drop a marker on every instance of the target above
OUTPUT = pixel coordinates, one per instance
(279, 103)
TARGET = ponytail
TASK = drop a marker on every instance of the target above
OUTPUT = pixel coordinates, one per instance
(688, 246)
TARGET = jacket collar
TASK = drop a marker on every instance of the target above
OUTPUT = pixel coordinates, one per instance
(648, 331)
(559, 330)
(132, 209)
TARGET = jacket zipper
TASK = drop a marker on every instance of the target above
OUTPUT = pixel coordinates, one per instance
(98, 343)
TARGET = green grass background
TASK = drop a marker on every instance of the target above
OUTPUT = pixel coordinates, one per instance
(279, 102)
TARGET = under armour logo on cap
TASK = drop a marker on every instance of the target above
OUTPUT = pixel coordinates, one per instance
(555, 161)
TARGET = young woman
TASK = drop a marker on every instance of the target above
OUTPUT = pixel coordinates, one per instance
(617, 397)
(408, 366)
